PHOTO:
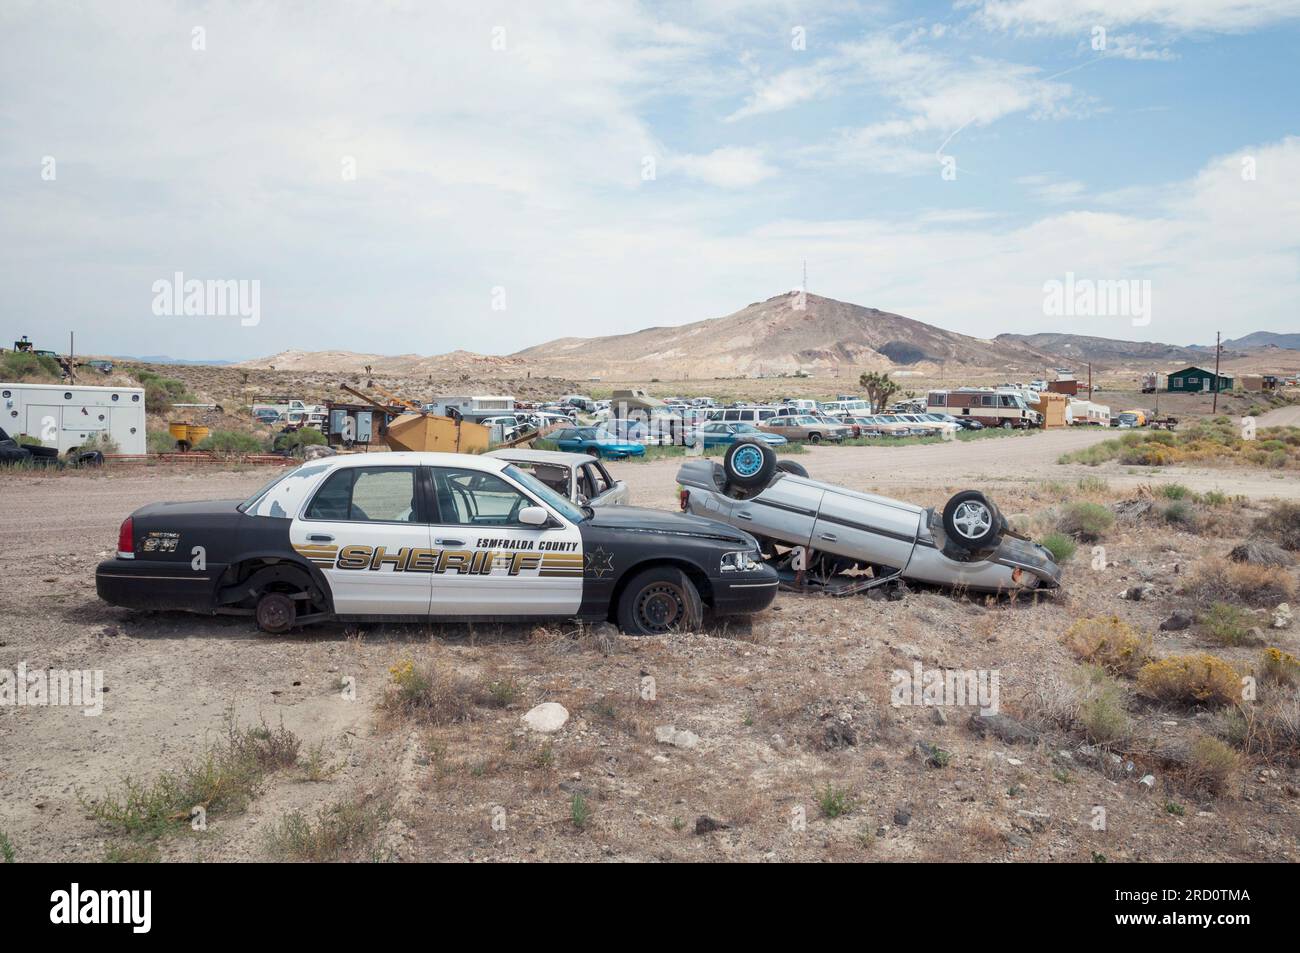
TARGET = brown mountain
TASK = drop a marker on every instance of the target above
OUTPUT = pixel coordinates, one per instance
(773, 336)
(1106, 351)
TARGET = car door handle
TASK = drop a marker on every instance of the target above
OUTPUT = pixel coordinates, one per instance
(746, 515)
(449, 542)
(320, 538)
(829, 537)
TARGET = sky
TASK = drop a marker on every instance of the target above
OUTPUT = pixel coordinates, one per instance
(228, 180)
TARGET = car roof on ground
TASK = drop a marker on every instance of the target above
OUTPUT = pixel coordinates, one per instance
(542, 456)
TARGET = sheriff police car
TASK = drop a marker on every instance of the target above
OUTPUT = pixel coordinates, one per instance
(400, 536)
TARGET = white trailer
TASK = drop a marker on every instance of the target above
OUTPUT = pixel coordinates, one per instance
(67, 415)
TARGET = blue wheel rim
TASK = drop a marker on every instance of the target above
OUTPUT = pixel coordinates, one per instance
(747, 461)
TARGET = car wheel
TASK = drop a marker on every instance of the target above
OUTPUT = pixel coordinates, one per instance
(658, 601)
(971, 521)
(1006, 425)
(814, 438)
(791, 466)
(749, 464)
(275, 613)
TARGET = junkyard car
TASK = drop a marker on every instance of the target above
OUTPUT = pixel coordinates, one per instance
(812, 429)
(824, 536)
(580, 477)
(414, 536)
(597, 442)
(718, 434)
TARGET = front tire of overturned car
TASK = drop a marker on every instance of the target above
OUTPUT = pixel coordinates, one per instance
(749, 464)
(658, 601)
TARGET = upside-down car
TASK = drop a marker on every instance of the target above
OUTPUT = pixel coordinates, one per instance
(825, 537)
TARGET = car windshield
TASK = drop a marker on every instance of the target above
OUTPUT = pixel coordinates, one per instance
(265, 489)
(555, 501)
(743, 428)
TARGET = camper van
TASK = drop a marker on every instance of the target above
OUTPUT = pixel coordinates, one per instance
(68, 416)
(473, 408)
(992, 408)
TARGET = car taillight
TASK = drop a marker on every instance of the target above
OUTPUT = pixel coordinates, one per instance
(126, 539)
(684, 497)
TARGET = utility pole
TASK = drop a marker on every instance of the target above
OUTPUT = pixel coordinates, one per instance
(1089, 380)
(1218, 336)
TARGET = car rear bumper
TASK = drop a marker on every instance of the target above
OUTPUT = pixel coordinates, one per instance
(154, 584)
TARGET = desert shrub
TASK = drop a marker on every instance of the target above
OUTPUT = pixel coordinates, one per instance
(1219, 580)
(161, 392)
(428, 692)
(1149, 455)
(1180, 513)
(1214, 498)
(1175, 491)
(159, 441)
(1210, 764)
(1109, 643)
(232, 441)
(223, 780)
(346, 829)
(306, 437)
(26, 366)
(1227, 624)
(835, 801)
(1200, 679)
(102, 441)
(1282, 523)
(1061, 547)
(1101, 713)
(1281, 667)
(1086, 522)
(1092, 484)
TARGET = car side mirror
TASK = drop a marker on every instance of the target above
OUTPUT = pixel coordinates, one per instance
(534, 516)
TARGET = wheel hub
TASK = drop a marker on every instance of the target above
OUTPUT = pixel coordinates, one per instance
(972, 519)
(660, 607)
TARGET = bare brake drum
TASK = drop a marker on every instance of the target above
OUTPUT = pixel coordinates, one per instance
(804, 570)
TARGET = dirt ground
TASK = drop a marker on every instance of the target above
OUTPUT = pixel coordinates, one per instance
(790, 712)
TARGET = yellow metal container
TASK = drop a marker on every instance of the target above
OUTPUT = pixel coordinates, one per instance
(430, 432)
(187, 435)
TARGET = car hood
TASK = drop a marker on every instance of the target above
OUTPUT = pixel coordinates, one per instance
(641, 519)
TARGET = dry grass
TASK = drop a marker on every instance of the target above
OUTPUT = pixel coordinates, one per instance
(429, 691)
(1280, 667)
(1219, 580)
(1210, 764)
(1190, 680)
(1110, 643)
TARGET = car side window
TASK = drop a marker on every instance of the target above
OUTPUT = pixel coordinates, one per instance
(474, 498)
(366, 494)
(596, 484)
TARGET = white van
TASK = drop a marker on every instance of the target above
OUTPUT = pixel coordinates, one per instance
(67, 416)
(742, 415)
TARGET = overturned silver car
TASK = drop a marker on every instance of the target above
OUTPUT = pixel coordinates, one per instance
(827, 538)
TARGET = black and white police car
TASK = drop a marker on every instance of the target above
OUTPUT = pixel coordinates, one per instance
(440, 536)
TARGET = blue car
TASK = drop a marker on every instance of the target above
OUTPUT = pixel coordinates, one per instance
(597, 442)
(719, 434)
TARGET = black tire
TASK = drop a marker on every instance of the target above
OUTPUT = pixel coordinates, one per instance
(814, 438)
(660, 600)
(749, 464)
(1006, 425)
(792, 466)
(972, 522)
(275, 612)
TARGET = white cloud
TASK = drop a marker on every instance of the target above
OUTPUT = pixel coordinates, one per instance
(731, 167)
(1065, 16)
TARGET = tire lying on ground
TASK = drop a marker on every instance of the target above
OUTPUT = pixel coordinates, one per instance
(749, 464)
(791, 466)
(659, 600)
(972, 522)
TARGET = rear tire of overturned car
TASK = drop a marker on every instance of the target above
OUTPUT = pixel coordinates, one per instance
(658, 601)
(749, 464)
(792, 466)
(972, 522)
(275, 613)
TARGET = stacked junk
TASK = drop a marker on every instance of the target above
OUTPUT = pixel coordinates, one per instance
(403, 426)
